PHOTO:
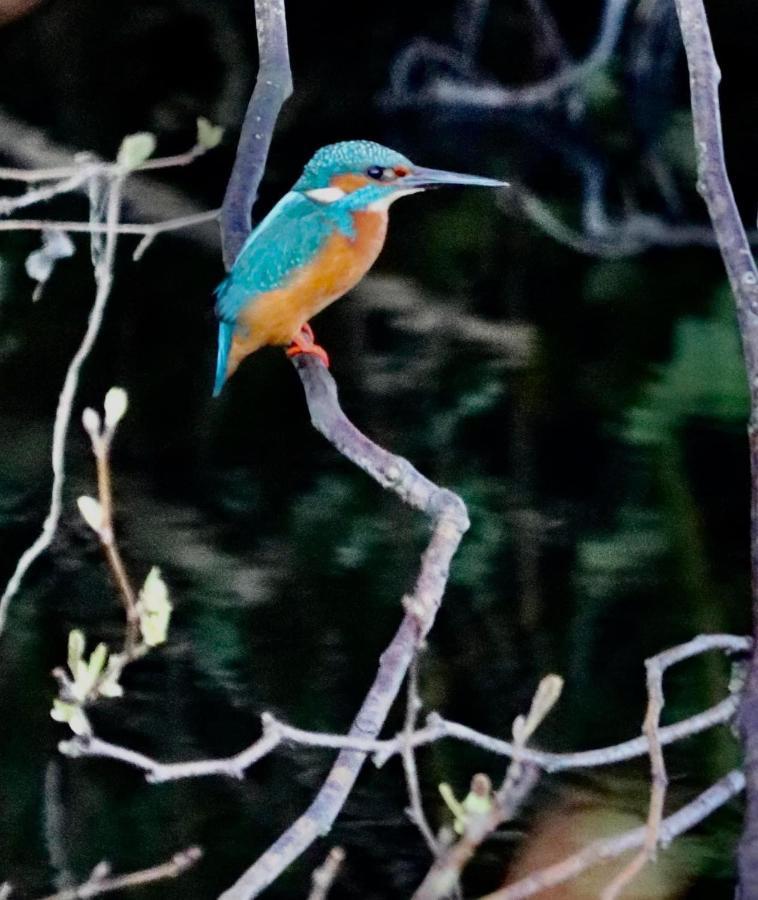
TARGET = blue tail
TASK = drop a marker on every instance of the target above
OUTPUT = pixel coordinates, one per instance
(225, 332)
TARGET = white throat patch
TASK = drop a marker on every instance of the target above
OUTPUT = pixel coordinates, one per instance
(384, 204)
(326, 194)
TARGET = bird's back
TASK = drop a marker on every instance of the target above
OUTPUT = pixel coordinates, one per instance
(300, 258)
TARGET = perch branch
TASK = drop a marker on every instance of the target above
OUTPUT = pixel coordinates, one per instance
(450, 521)
(445, 509)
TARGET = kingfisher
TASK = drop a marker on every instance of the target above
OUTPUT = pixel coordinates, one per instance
(316, 244)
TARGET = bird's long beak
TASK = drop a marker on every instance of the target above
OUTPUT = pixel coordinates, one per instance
(421, 178)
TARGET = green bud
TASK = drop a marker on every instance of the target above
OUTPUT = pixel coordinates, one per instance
(208, 135)
(154, 608)
(136, 149)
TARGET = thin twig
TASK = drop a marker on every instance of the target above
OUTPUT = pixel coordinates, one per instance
(323, 878)
(99, 884)
(416, 809)
(102, 440)
(104, 281)
(147, 230)
(147, 198)
(609, 848)
(88, 168)
(659, 781)
(41, 194)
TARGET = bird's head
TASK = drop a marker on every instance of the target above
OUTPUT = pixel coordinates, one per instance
(371, 175)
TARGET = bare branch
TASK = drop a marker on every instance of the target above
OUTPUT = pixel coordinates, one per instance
(104, 280)
(448, 514)
(437, 728)
(272, 87)
(146, 198)
(100, 882)
(609, 848)
(416, 809)
(78, 179)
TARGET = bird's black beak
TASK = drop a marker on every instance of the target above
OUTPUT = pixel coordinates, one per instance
(420, 179)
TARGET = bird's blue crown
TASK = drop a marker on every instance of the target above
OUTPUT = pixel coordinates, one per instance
(347, 156)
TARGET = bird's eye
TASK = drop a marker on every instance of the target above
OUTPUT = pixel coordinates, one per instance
(376, 172)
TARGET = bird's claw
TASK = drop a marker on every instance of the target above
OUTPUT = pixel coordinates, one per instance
(305, 343)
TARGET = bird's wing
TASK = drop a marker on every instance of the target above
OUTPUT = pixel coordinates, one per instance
(285, 239)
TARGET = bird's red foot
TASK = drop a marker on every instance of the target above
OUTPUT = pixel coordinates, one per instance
(305, 343)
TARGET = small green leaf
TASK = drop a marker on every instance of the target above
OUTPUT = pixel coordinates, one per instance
(108, 685)
(452, 803)
(97, 661)
(136, 149)
(477, 804)
(76, 644)
(208, 134)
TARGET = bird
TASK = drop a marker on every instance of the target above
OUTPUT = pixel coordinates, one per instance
(314, 245)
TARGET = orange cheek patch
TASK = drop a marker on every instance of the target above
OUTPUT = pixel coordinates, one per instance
(349, 182)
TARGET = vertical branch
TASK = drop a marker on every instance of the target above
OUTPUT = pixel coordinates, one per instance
(104, 281)
(716, 190)
(272, 87)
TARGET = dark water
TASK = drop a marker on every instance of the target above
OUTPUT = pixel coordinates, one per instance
(595, 428)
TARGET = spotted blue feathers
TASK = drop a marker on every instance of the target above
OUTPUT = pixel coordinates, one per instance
(347, 156)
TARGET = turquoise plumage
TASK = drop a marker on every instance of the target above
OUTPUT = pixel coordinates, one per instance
(296, 237)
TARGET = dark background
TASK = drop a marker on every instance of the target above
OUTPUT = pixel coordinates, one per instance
(596, 430)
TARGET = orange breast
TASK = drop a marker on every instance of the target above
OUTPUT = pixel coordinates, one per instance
(276, 317)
